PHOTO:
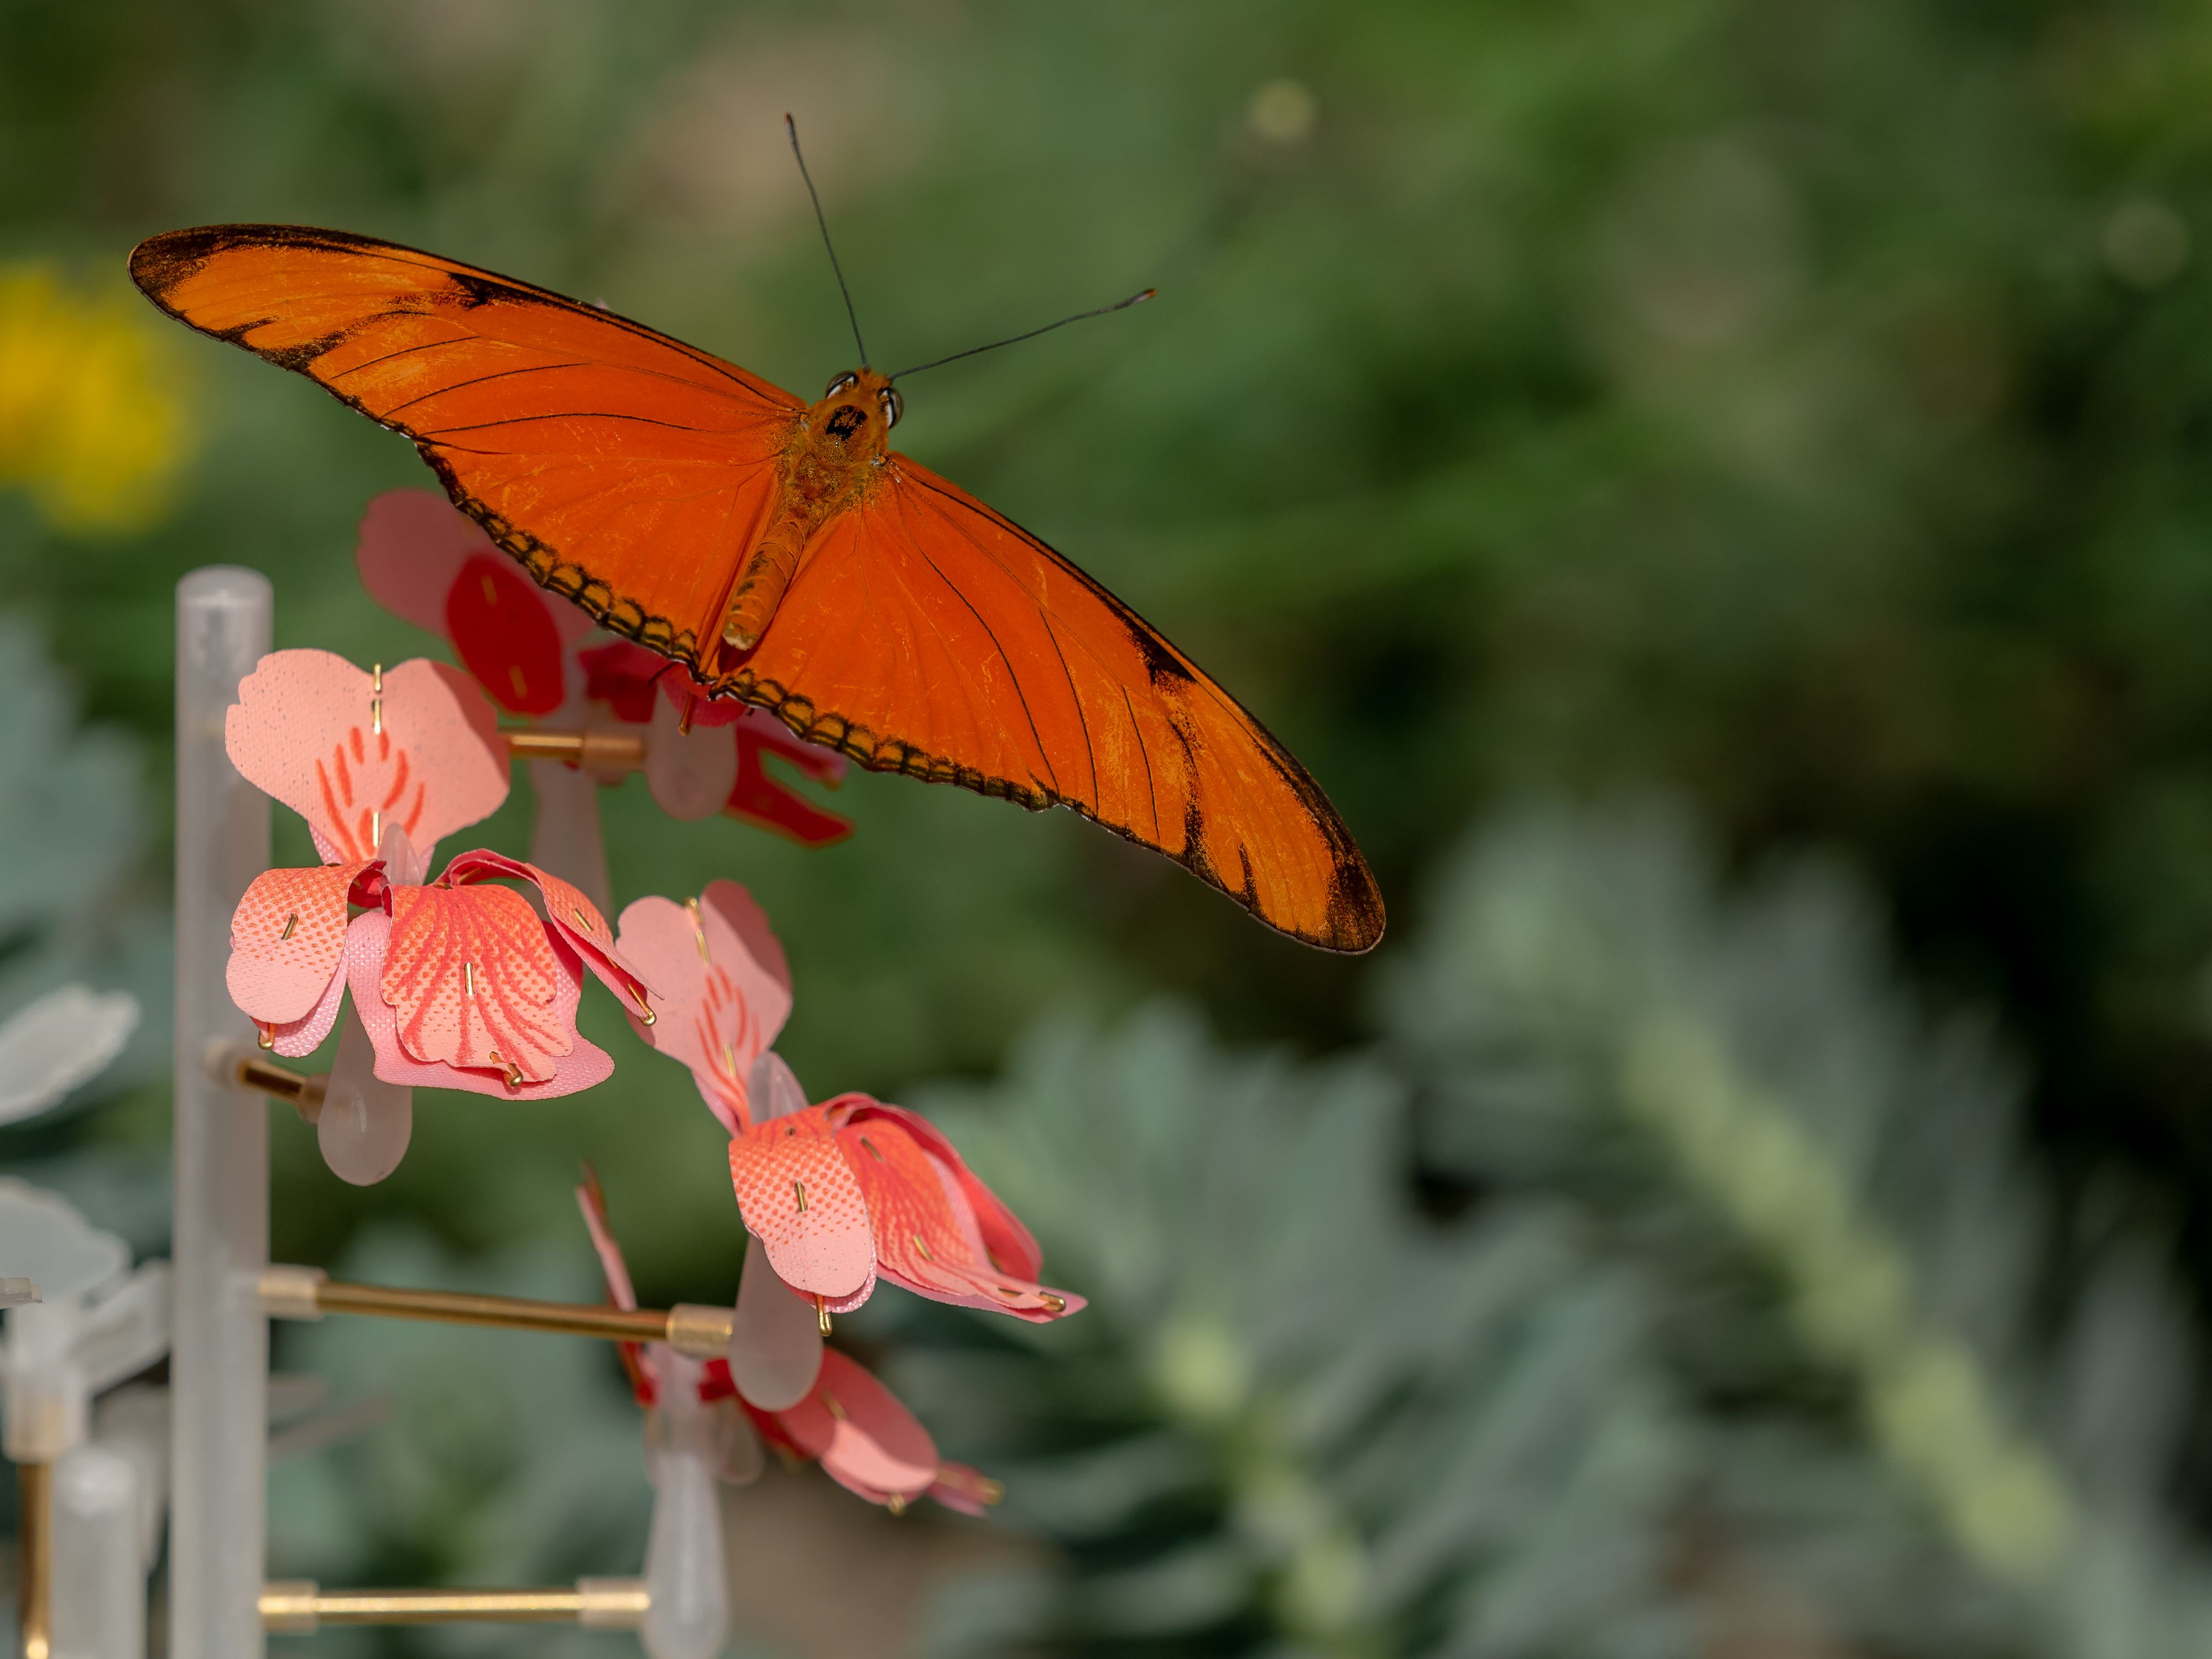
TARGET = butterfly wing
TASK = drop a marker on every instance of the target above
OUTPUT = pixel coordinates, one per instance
(625, 470)
(924, 634)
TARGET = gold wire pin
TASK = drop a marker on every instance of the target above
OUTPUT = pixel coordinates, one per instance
(290, 922)
(583, 921)
(798, 1189)
(822, 1312)
(468, 982)
(835, 1409)
(729, 1058)
(376, 700)
(698, 928)
(870, 1145)
(923, 1248)
(375, 827)
(896, 1503)
(268, 1034)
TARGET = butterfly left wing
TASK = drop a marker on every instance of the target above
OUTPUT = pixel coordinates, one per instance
(924, 634)
(625, 470)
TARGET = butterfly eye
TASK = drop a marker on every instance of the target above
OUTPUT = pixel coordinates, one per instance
(893, 406)
(847, 379)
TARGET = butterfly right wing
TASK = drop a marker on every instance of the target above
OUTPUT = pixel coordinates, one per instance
(625, 470)
(927, 634)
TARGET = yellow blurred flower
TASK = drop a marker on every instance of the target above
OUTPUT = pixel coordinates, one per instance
(91, 405)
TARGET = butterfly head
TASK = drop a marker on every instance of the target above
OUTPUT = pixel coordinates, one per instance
(858, 412)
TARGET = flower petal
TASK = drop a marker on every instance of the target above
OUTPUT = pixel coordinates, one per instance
(584, 1066)
(574, 917)
(312, 730)
(301, 1037)
(965, 1489)
(721, 988)
(928, 1233)
(796, 1190)
(411, 547)
(867, 1440)
(470, 978)
(1009, 1245)
(287, 940)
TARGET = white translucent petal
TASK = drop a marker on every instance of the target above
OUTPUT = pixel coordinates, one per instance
(65, 1038)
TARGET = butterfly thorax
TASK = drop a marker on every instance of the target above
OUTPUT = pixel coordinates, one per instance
(829, 465)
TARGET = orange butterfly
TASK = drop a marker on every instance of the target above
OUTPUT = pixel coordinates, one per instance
(784, 554)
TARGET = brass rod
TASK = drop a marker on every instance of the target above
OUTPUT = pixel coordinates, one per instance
(513, 1313)
(596, 751)
(298, 1090)
(423, 1606)
(34, 1523)
(299, 1609)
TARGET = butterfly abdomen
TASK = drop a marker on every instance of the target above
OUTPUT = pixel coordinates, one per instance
(829, 467)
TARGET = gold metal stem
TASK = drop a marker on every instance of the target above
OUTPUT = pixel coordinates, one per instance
(303, 1093)
(34, 1523)
(690, 1328)
(594, 751)
(301, 1608)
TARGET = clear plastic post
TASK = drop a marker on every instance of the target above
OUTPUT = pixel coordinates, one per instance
(220, 1363)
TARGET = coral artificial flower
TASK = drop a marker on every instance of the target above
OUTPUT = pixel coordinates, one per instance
(865, 1439)
(843, 1193)
(459, 983)
(721, 989)
(836, 1193)
(536, 654)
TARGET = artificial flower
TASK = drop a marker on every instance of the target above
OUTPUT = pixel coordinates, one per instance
(721, 989)
(843, 1193)
(839, 1192)
(865, 1439)
(458, 982)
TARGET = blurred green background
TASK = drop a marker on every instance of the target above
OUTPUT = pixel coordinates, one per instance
(1800, 410)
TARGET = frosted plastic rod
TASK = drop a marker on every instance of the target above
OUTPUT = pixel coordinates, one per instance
(219, 1366)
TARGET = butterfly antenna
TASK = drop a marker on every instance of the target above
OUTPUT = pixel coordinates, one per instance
(1015, 339)
(791, 128)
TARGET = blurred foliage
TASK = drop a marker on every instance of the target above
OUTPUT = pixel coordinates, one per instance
(1666, 1281)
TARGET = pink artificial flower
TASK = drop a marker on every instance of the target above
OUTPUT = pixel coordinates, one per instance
(842, 1193)
(721, 988)
(533, 652)
(459, 984)
(839, 1192)
(865, 1439)
(356, 753)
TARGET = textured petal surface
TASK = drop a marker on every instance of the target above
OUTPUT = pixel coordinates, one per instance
(288, 939)
(927, 1234)
(301, 1037)
(582, 1066)
(312, 730)
(867, 1440)
(721, 988)
(471, 981)
(799, 1198)
(574, 918)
